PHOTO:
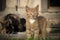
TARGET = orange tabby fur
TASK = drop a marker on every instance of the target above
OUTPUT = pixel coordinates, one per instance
(40, 22)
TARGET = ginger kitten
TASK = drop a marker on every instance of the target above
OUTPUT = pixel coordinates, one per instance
(35, 23)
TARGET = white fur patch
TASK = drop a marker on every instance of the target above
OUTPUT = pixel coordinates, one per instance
(32, 21)
(18, 32)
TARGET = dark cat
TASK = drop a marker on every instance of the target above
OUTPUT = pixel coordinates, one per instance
(12, 23)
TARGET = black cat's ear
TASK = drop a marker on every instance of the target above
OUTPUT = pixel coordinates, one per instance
(27, 8)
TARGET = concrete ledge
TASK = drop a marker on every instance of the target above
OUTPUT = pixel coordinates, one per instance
(21, 35)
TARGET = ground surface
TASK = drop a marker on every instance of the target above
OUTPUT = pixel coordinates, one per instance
(20, 36)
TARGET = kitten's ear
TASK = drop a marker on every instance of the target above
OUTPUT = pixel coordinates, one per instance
(37, 7)
(27, 8)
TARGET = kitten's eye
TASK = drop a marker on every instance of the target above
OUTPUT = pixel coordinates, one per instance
(31, 14)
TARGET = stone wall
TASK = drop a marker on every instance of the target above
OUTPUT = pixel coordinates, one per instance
(11, 8)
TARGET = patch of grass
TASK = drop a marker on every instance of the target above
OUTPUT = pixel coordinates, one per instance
(31, 38)
(13, 38)
(36, 38)
(47, 37)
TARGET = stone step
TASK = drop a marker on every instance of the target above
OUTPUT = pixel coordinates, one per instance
(54, 37)
(53, 30)
(21, 36)
(54, 34)
(53, 23)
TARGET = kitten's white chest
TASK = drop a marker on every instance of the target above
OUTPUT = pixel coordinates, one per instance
(32, 21)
